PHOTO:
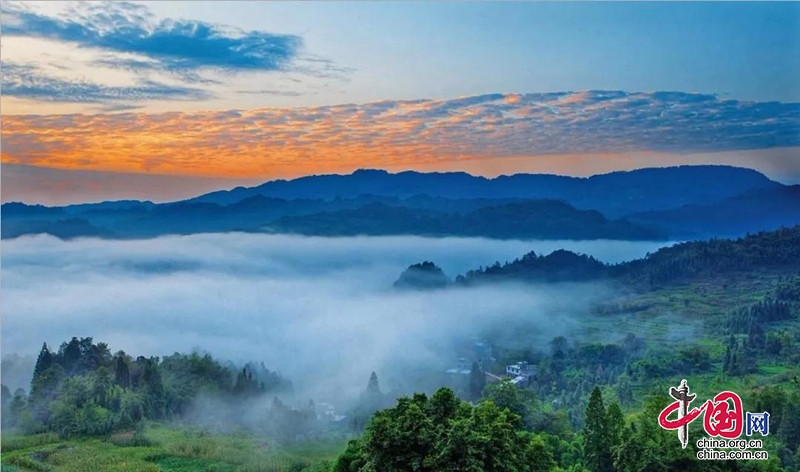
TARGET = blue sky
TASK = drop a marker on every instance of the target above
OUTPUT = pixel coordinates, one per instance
(452, 72)
(446, 49)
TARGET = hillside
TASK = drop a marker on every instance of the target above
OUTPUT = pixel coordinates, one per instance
(776, 251)
(365, 215)
(530, 219)
(424, 276)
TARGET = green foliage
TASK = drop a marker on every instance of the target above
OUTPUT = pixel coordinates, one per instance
(789, 289)
(597, 435)
(166, 449)
(83, 390)
(767, 250)
(744, 319)
(442, 433)
(561, 265)
(521, 402)
(776, 250)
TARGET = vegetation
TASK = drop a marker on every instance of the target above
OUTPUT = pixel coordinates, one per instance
(777, 251)
(425, 275)
(82, 389)
(591, 405)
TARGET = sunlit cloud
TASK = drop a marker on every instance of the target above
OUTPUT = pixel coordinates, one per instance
(397, 134)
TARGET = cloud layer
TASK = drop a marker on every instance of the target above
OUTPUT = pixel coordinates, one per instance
(160, 60)
(397, 134)
(27, 81)
(171, 45)
(319, 310)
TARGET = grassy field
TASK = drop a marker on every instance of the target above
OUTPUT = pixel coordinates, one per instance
(166, 449)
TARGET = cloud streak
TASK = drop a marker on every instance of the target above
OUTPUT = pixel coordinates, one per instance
(399, 134)
(29, 82)
(171, 45)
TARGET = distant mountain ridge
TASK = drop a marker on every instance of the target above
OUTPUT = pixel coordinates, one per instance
(505, 219)
(531, 219)
(771, 207)
(615, 194)
(652, 204)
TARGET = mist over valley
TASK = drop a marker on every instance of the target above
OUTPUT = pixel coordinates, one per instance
(321, 311)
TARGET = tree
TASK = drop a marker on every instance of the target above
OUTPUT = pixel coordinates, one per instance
(372, 386)
(442, 433)
(477, 381)
(71, 355)
(153, 389)
(122, 373)
(102, 386)
(597, 450)
(615, 423)
(790, 423)
(538, 456)
(43, 362)
(44, 389)
(6, 398)
(624, 390)
(523, 403)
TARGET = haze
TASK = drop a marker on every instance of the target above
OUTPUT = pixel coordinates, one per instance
(321, 311)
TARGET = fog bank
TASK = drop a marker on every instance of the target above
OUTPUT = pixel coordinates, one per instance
(321, 311)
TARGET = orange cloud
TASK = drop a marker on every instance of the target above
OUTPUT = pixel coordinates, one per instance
(273, 142)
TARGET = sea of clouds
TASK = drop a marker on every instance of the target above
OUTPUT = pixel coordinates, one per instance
(321, 311)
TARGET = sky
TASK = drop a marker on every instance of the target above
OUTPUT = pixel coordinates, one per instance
(166, 100)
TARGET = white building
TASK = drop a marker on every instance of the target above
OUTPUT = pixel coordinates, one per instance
(519, 372)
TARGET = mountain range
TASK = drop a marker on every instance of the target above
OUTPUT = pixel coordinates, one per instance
(653, 203)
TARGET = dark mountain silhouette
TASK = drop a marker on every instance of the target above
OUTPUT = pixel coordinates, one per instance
(21, 210)
(558, 266)
(615, 194)
(530, 219)
(63, 228)
(755, 210)
(422, 276)
(670, 203)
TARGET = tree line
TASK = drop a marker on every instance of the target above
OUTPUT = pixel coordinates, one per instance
(82, 388)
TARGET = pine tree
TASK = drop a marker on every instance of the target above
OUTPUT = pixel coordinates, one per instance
(43, 362)
(122, 373)
(372, 397)
(596, 449)
(71, 355)
(624, 390)
(373, 389)
(726, 365)
(615, 422)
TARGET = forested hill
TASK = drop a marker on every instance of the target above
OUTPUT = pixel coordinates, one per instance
(528, 219)
(774, 250)
(767, 251)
